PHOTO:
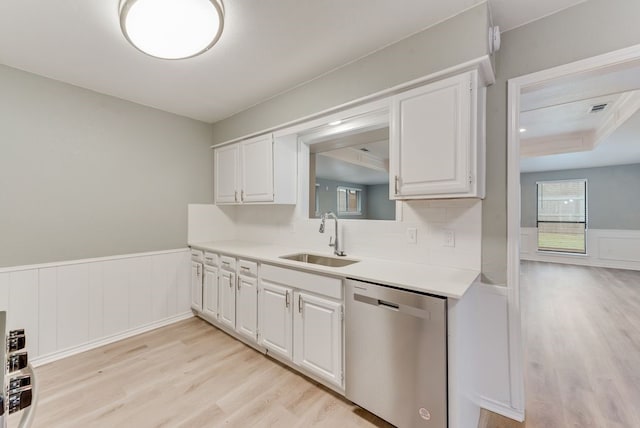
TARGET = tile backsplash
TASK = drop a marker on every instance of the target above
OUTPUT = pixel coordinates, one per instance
(436, 222)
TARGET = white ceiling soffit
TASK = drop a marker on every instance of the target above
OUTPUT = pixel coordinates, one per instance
(583, 86)
(267, 47)
(330, 168)
(575, 127)
(561, 133)
(622, 147)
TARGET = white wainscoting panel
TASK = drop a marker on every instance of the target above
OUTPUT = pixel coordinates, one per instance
(609, 248)
(479, 355)
(74, 306)
(491, 342)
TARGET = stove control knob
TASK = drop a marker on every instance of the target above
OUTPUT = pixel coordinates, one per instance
(17, 361)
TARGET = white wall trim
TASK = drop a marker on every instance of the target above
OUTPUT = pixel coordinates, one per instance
(533, 81)
(54, 356)
(500, 408)
(69, 307)
(606, 248)
(92, 260)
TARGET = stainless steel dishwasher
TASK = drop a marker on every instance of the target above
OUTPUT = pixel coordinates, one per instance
(396, 354)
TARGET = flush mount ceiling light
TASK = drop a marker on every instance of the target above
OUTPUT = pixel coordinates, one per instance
(172, 29)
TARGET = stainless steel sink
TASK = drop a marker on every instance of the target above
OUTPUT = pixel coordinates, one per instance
(320, 260)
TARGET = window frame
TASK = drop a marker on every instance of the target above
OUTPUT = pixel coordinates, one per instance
(358, 199)
(586, 218)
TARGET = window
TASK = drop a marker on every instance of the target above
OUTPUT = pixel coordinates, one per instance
(562, 216)
(349, 201)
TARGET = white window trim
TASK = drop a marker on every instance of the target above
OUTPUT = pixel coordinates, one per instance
(348, 213)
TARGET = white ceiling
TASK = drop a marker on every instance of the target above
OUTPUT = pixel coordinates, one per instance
(559, 108)
(620, 148)
(267, 47)
(565, 118)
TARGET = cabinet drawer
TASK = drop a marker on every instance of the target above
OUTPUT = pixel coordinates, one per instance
(197, 255)
(245, 267)
(210, 259)
(228, 263)
(318, 284)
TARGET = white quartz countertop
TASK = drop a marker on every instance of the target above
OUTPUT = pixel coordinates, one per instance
(437, 280)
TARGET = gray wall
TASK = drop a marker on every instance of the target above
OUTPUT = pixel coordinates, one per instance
(379, 206)
(458, 40)
(558, 39)
(86, 175)
(611, 191)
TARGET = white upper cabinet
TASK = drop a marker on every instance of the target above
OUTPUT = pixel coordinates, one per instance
(226, 166)
(257, 170)
(437, 140)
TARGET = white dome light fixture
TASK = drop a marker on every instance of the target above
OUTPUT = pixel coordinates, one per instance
(172, 29)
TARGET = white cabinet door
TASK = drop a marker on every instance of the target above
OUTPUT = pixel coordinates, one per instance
(431, 139)
(257, 169)
(226, 164)
(210, 292)
(227, 302)
(196, 285)
(317, 336)
(247, 307)
(276, 319)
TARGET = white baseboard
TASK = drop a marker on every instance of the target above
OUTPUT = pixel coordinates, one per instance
(616, 249)
(54, 356)
(501, 408)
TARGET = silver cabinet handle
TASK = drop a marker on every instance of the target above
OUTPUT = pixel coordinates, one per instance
(396, 184)
(299, 303)
(230, 281)
(286, 300)
(242, 195)
(245, 268)
(235, 195)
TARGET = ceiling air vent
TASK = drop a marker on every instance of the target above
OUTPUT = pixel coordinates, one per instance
(597, 108)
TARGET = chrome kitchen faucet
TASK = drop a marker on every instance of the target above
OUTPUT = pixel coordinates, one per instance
(336, 245)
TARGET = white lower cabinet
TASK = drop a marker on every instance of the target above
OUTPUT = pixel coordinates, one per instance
(210, 292)
(227, 299)
(247, 307)
(196, 285)
(276, 319)
(317, 326)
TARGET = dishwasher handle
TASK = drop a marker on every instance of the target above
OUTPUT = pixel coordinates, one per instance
(396, 307)
(375, 302)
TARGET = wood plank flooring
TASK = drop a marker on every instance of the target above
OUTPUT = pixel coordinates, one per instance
(582, 347)
(186, 375)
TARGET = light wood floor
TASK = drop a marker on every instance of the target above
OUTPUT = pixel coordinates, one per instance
(582, 347)
(186, 375)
